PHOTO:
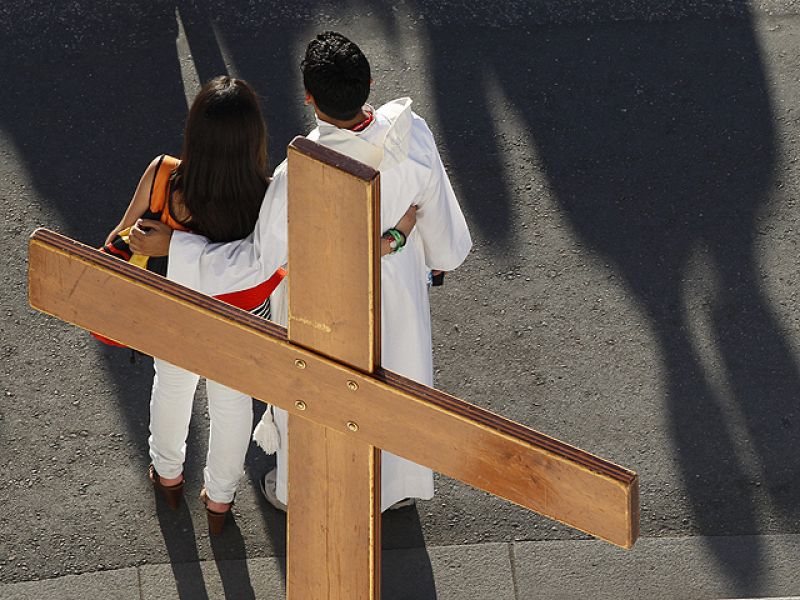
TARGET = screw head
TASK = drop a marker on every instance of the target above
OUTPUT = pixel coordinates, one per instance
(300, 363)
(352, 385)
(352, 426)
(299, 405)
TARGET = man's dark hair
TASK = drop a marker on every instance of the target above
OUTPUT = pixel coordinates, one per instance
(336, 73)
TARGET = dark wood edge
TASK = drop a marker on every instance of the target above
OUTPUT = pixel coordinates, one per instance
(503, 425)
(634, 513)
(117, 265)
(435, 397)
(332, 158)
(376, 273)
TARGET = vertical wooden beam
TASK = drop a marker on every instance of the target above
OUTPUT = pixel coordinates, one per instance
(333, 545)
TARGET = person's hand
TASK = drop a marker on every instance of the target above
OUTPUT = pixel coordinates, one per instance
(150, 238)
(407, 221)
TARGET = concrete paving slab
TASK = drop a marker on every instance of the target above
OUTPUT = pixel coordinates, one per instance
(478, 572)
(660, 568)
(254, 579)
(481, 572)
(120, 584)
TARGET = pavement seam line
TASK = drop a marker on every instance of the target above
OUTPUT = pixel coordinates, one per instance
(513, 561)
(139, 581)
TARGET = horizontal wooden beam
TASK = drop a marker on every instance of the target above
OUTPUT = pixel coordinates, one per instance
(85, 287)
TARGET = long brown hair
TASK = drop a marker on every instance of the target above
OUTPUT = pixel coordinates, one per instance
(223, 172)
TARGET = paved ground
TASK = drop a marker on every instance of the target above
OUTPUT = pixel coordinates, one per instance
(489, 571)
(630, 175)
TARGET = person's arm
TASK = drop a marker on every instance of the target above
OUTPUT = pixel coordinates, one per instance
(140, 201)
(405, 225)
(213, 268)
(218, 268)
(153, 238)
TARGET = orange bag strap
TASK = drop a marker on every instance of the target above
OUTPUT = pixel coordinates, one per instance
(159, 192)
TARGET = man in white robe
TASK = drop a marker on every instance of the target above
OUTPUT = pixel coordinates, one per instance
(396, 141)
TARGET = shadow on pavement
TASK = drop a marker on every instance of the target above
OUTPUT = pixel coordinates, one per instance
(658, 142)
(181, 544)
(406, 571)
(233, 572)
(657, 139)
(94, 99)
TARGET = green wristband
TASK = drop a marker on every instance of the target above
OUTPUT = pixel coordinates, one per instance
(399, 239)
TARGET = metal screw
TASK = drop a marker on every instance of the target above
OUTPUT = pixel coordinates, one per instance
(352, 426)
(352, 385)
(299, 405)
(300, 363)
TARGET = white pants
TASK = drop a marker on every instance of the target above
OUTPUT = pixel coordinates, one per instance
(231, 414)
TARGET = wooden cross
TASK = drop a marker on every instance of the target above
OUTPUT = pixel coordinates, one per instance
(343, 408)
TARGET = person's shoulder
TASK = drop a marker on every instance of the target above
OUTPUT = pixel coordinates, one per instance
(278, 183)
(162, 160)
(420, 127)
(170, 161)
(154, 164)
(422, 143)
(149, 174)
(314, 134)
(400, 108)
(280, 171)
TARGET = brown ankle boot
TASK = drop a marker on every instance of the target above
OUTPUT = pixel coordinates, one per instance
(216, 520)
(173, 494)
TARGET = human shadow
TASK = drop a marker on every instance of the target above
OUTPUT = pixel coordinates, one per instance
(230, 555)
(259, 464)
(406, 570)
(658, 142)
(108, 96)
(93, 101)
(180, 541)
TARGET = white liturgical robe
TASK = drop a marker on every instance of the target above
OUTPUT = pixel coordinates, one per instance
(399, 144)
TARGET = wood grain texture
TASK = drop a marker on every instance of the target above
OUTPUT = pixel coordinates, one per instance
(334, 295)
(333, 545)
(333, 526)
(463, 441)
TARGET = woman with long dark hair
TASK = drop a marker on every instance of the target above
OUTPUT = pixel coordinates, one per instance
(215, 189)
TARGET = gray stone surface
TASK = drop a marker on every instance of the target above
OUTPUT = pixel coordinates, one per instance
(258, 578)
(39, 21)
(684, 568)
(657, 569)
(478, 572)
(628, 170)
(119, 584)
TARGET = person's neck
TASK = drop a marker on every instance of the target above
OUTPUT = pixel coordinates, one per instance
(361, 116)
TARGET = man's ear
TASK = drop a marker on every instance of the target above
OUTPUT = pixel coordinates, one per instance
(310, 99)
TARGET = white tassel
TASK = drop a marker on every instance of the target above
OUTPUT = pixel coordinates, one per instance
(266, 433)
